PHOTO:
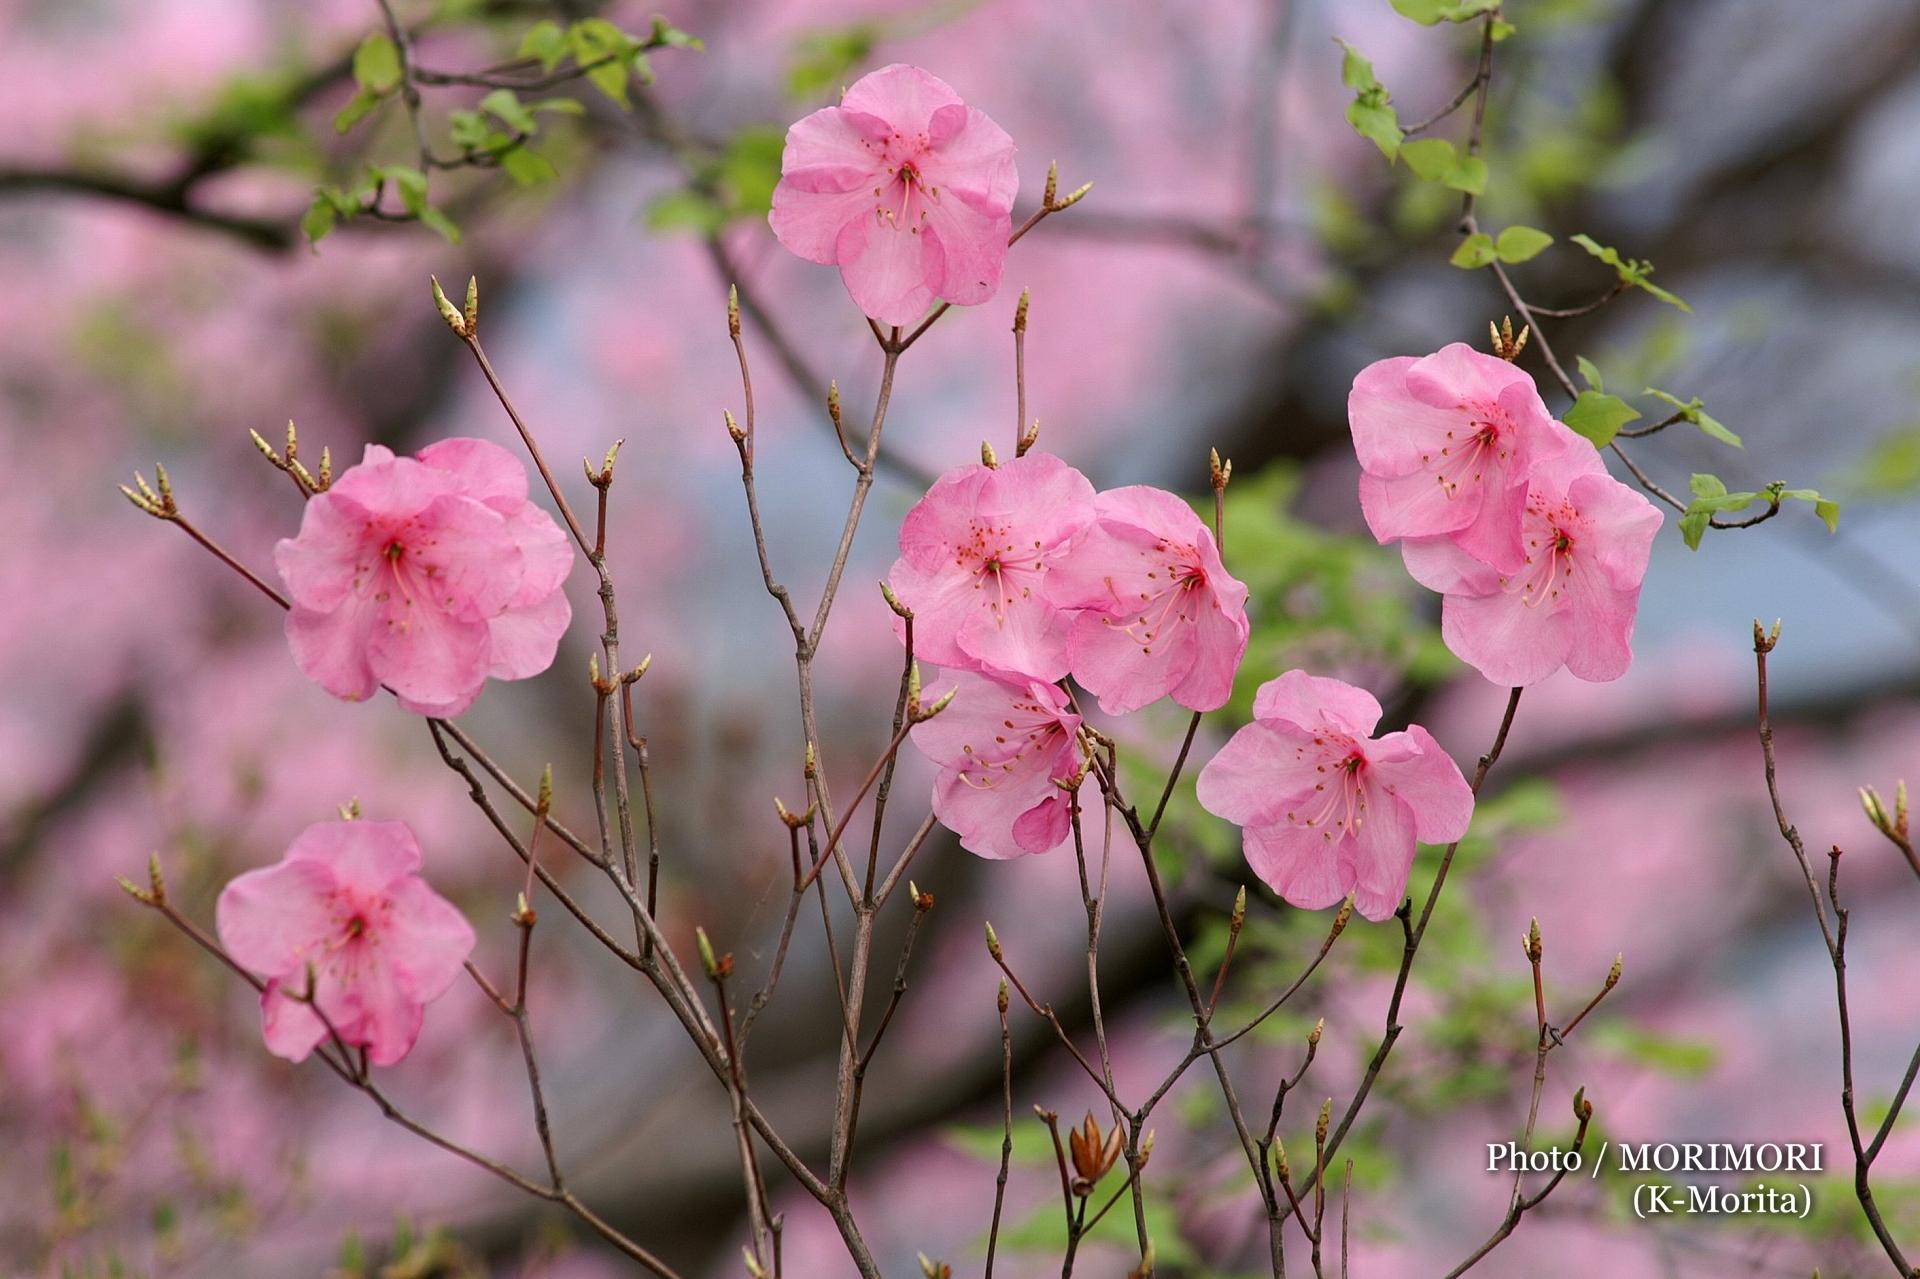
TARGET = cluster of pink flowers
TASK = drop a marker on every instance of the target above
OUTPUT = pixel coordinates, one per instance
(1511, 516)
(426, 574)
(1020, 574)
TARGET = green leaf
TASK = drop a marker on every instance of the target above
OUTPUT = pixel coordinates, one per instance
(558, 106)
(822, 60)
(376, 64)
(526, 166)
(1377, 123)
(546, 41)
(319, 219)
(468, 130)
(1431, 12)
(1474, 251)
(1891, 466)
(1710, 497)
(1520, 243)
(1826, 508)
(612, 53)
(440, 222)
(363, 104)
(750, 169)
(1430, 158)
(1692, 411)
(1589, 373)
(505, 105)
(1599, 416)
(667, 36)
(1470, 175)
(1355, 71)
(1631, 271)
(685, 211)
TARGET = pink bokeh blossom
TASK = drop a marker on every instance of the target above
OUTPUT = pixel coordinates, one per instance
(974, 557)
(1158, 613)
(905, 188)
(1001, 746)
(347, 906)
(1326, 809)
(1572, 602)
(1445, 445)
(427, 575)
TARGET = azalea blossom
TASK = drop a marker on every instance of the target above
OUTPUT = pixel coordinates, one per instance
(1326, 809)
(1159, 614)
(1445, 445)
(905, 188)
(346, 910)
(1002, 745)
(426, 575)
(975, 553)
(1572, 601)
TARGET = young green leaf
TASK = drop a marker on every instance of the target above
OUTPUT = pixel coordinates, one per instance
(1520, 243)
(1599, 416)
(376, 65)
(1631, 271)
(1589, 373)
(363, 104)
(1474, 251)
(505, 105)
(546, 41)
(1692, 411)
(1430, 158)
(1371, 112)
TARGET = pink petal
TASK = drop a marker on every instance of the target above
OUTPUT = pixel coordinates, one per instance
(524, 639)
(1220, 642)
(1378, 858)
(434, 662)
(904, 96)
(1297, 864)
(1024, 638)
(270, 919)
(973, 161)
(482, 469)
(1266, 768)
(889, 269)
(1504, 639)
(1411, 767)
(1439, 564)
(335, 547)
(1312, 700)
(972, 249)
(330, 648)
(1457, 373)
(1122, 672)
(426, 940)
(364, 857)
(289, 1026)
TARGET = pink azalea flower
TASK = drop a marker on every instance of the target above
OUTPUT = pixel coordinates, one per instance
(905, 188)
(1160, 614)
(347, 904)
(1572, 601)
(1000, 746)
(1326, 809)
(426, 575)
(1445, 445)
(974, 557)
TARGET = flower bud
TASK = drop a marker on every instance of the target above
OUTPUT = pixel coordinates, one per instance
(472, 316)
(733, 310)
(1020, 311)
(448, 311)
(993, 942)
(987, 456)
